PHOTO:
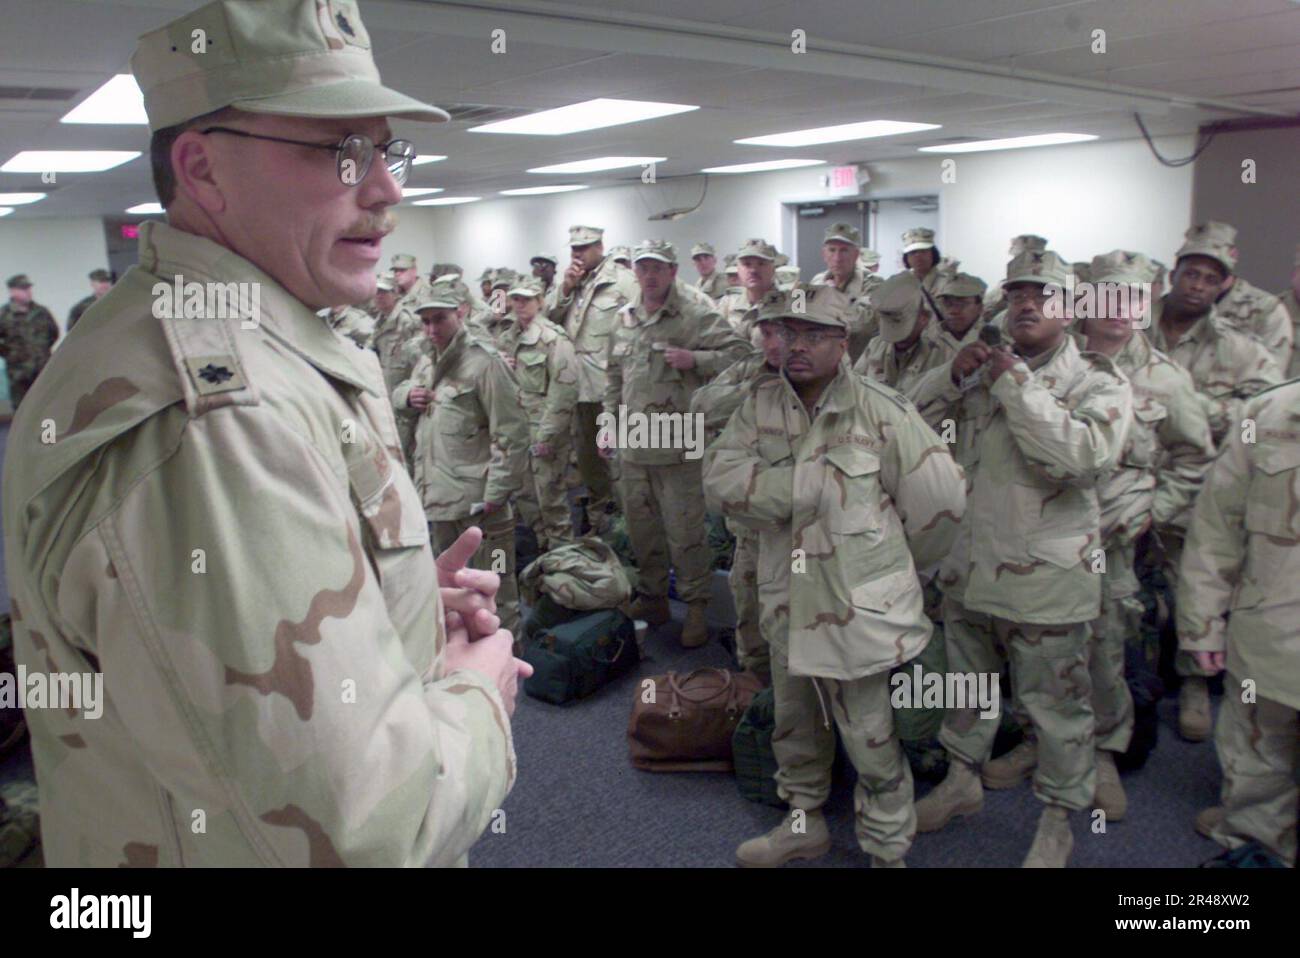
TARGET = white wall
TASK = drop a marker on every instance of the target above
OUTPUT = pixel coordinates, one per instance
(57, 255)
(1087, 199)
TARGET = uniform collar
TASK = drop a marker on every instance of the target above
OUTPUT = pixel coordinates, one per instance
(529, 336)
(167, 252)
(671, 307)
(1043, 360)
(1207, 327)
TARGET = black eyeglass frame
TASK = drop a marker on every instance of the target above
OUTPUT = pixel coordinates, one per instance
(400, 169)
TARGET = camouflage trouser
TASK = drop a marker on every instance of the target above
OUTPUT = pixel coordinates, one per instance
(1121, 618)
(664, 506)
(884, 816)
(751, 651)
(1259, 751)
(1049, 672)
(498, 533)
(594, 470)
(544, 503)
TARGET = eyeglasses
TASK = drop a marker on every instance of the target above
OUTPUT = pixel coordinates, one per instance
(808, 337)
(353, 154)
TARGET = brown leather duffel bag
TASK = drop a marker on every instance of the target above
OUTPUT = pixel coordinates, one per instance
(684, 723)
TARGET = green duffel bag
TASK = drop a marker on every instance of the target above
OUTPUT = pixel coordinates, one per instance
(751, 751)
(575, 658)
(545, 614)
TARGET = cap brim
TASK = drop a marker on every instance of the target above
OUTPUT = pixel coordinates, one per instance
(890, 333)
(436, 304)
(841, 239)
(658, 256)
(916, 246)
(524, 291)
(1041, 281)
(770, 259)
(347, 98)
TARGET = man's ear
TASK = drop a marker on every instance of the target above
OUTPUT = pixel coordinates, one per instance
(194, 168)
(1227, 284)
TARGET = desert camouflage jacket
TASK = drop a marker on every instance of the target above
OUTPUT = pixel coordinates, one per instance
(1044, 435)
(547, 372)
(1256, 312)
(715, 287)
(471, 441)
(848, 505)
(587, 315)
(883, 363)
(354, 323)
(1239, 583)
(222, 527)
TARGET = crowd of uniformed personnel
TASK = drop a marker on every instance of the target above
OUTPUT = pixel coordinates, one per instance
(889, 454)
(831, 409)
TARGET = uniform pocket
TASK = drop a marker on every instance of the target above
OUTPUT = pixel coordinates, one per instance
(1064, 553)
(851, 491)
(530, 371)
(1273, 505)
(880, 594)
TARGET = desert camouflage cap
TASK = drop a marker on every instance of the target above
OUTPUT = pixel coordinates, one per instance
(527, 287)
(961, 284)
(1120, 266)
(620, 253)
(288, 57)
(503, 278)
(842, 233)
(444, 294)
(19, 281)
(898, 304)
(386, 283)
(1213, 239)
(1082, 271)
(1025, 242)
(445, 269)
(729, 264)
(101, 276)
(916, 239)
(703, 249)
(824, 305)
(787, 273)
(659, 249)
(486, 275)
(403, 261)
(757, 247)
(583, 235)
(544, 258)
(868, 257)
(1037, 266)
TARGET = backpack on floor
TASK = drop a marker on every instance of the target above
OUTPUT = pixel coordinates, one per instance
(574, 659)
(582, 575)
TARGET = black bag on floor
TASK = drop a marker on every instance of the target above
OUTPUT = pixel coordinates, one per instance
(751, 751)
(545, 614)
(575, 658)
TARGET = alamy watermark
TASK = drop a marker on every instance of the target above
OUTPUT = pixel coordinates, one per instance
(652, 430)
(195, 300)
(947, 690)
(56, 690)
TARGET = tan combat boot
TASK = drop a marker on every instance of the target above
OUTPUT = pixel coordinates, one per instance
(1009, 770)
(1208, 819)
(1053, 841)
(1109, 795)
(784, 844)
(653, 610)
(695, 631)
(958, 794)
(1194, 709)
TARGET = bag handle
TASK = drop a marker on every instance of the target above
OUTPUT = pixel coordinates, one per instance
(727, 686)
(612, 659)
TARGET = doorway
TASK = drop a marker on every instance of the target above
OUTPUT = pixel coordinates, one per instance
(881, 222)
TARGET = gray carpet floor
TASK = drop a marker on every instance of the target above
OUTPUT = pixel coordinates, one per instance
(579, 803)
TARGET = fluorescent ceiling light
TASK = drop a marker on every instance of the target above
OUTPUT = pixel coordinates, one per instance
(146, 209)
(67, 161)
(448, 201)
(117, 101)
(1011, 143)
(429, 158)
(19, 199)
(420, 190)
(539, 190)
(760, 167)
(6, 210)
(588, 115)
(838, 134)
(598, 163)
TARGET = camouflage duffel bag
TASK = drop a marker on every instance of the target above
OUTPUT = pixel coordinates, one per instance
(582, 575)
(575, 658)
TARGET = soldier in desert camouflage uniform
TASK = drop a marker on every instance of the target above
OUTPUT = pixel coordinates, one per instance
(844, 271)
(901, 354)
(471, 438)
(1050, 424)
(547, 372)
(849, 492)
(665, 344)
(1227, 367)
(222, 527)
(1290, 301)
(713, 281)
(756, 269)
(1161, 469)
(1247, 308)
(923, 258)
(994, 303)
(1239, 597)
(353, 322)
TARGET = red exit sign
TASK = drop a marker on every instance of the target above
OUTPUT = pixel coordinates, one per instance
(130, 231)
(844, 177)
